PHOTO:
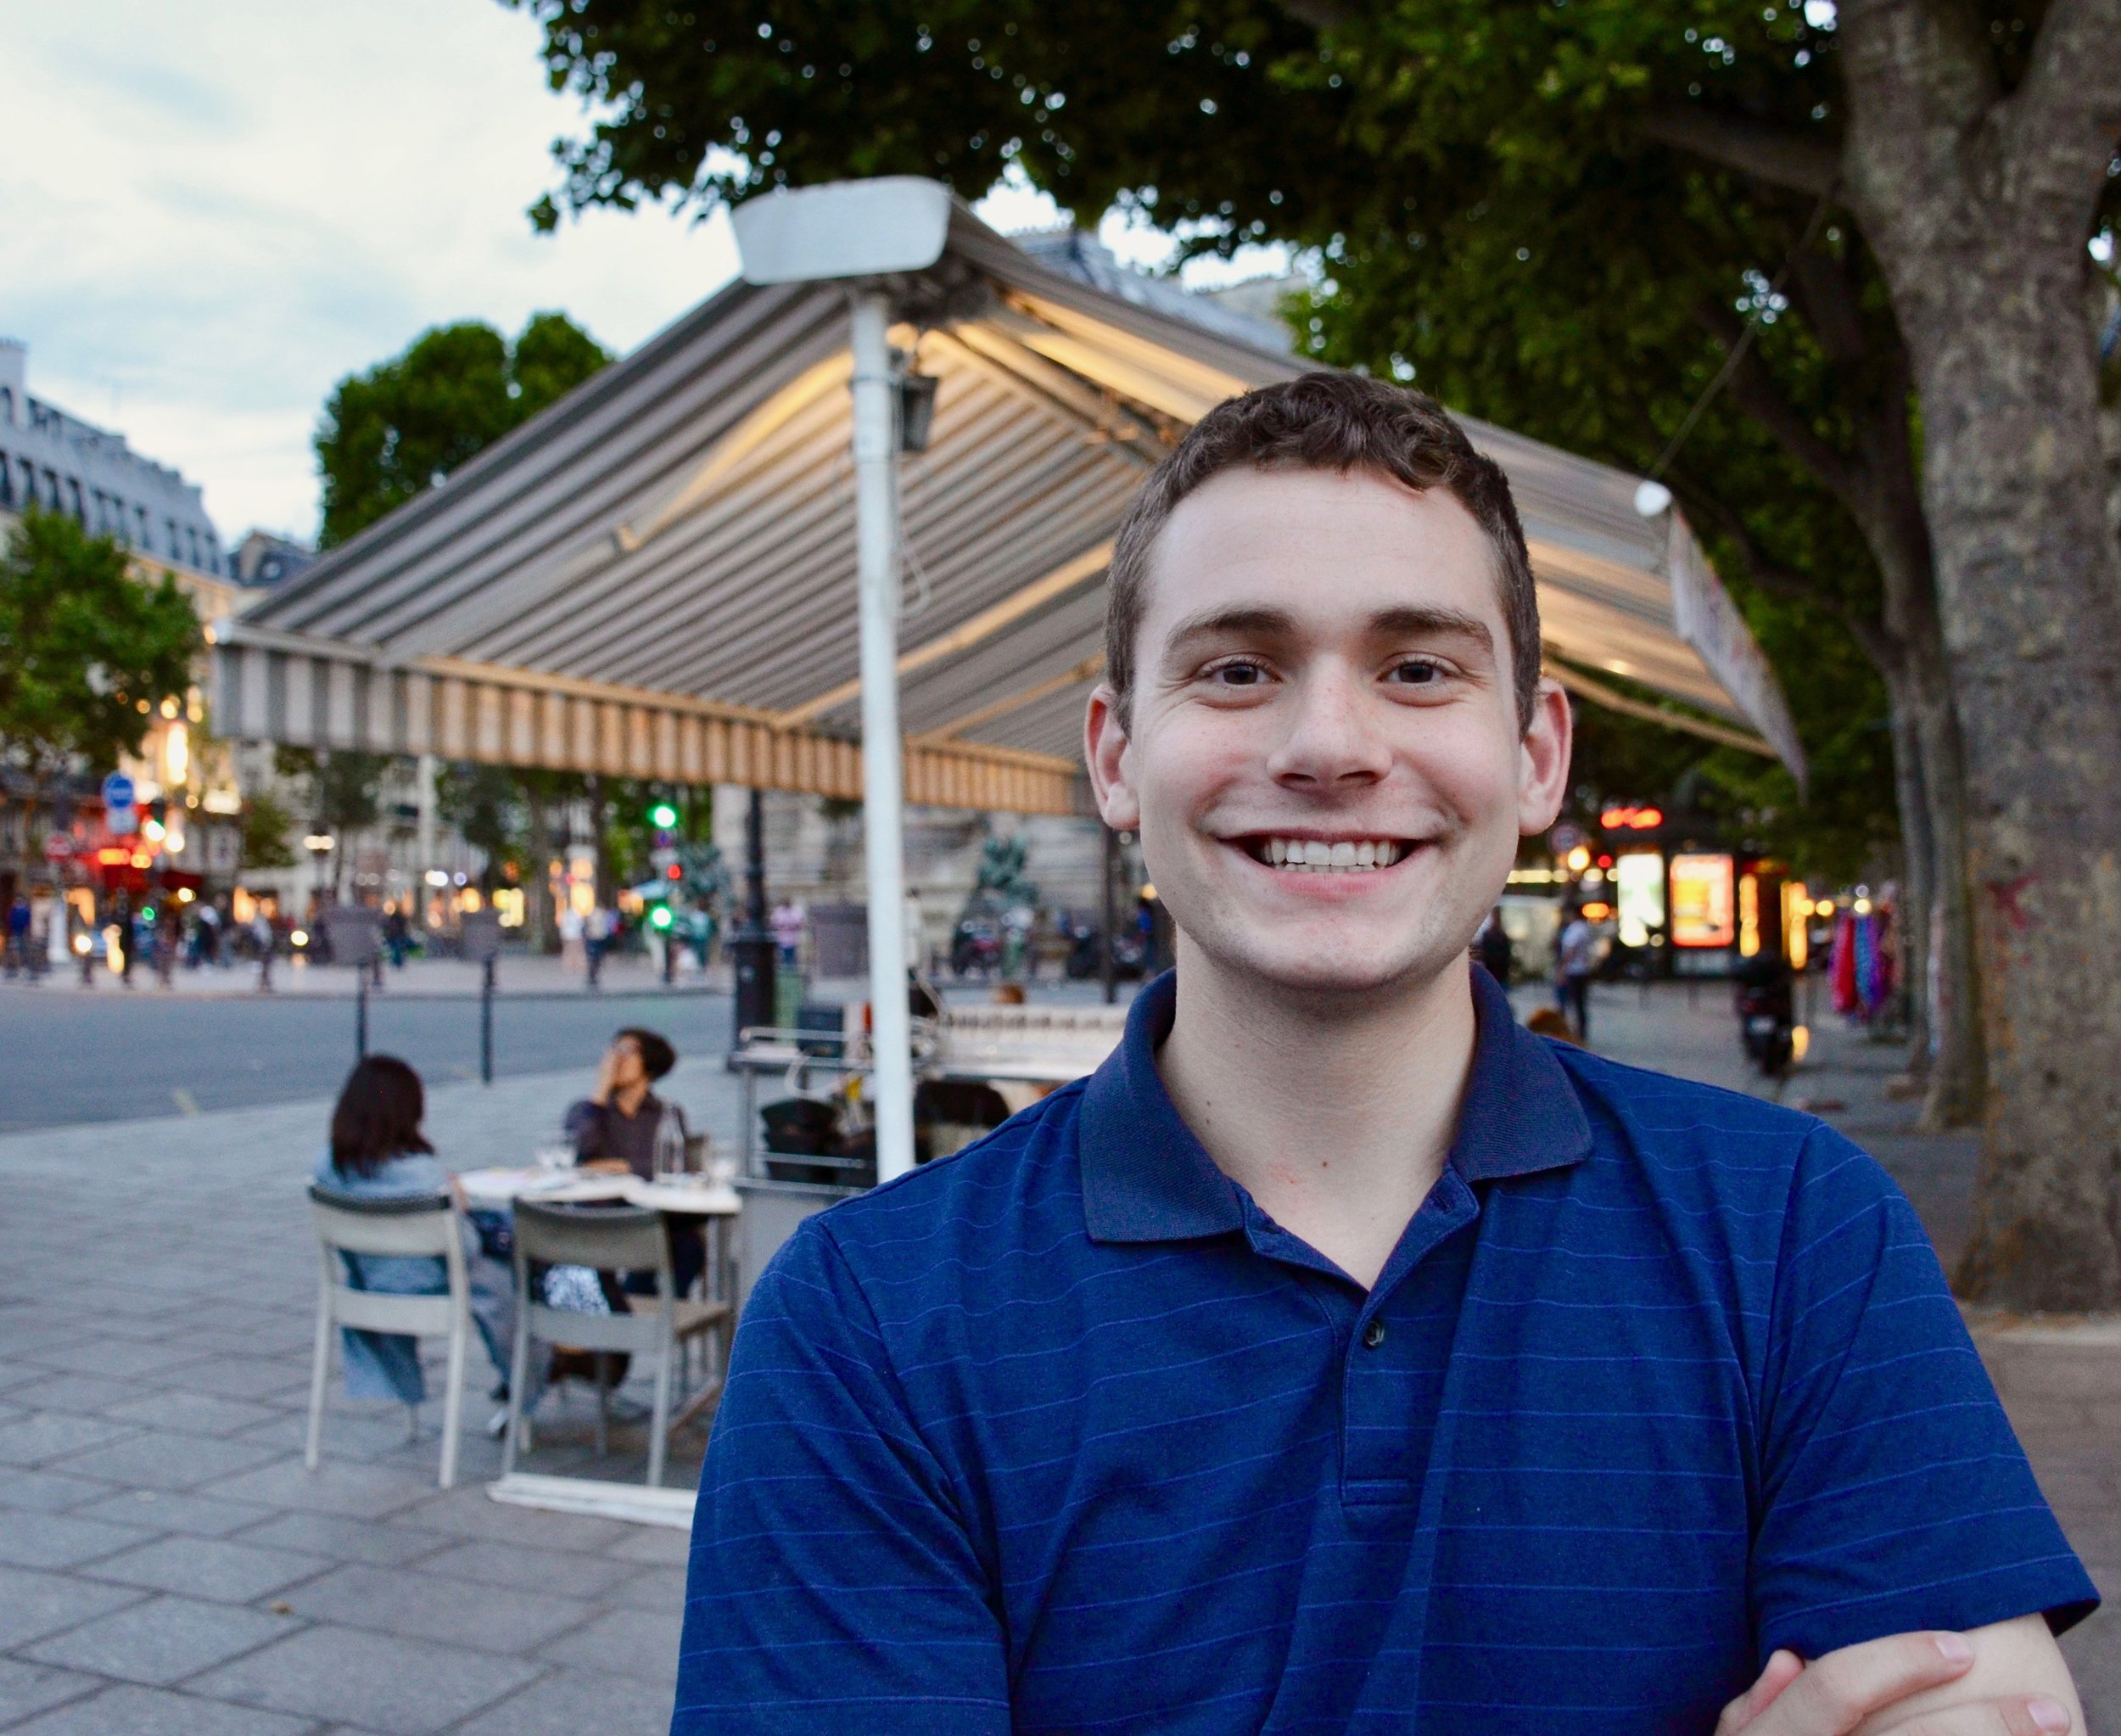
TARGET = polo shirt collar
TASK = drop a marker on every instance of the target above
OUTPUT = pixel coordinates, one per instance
(1145, 1177)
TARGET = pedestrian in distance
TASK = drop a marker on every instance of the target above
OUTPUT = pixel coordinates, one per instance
(266, 938)
(1491, 946)
(397, 938)
(1341, 1356)
(123, 937)
(1576, 960)
(18, 936)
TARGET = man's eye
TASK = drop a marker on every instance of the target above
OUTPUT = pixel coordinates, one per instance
(1412, 674)
(1238, 674)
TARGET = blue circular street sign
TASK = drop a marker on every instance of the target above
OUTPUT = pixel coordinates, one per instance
(117, 791)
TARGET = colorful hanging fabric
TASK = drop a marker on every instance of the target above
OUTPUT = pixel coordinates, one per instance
(1869, 973)
(1841, 965)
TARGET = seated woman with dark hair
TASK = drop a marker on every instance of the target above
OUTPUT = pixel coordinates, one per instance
(377, 1152)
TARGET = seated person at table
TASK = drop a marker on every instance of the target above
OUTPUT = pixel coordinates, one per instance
(377, 1152)
(615, 1127)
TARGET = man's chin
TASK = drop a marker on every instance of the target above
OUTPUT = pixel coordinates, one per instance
(1353, 976)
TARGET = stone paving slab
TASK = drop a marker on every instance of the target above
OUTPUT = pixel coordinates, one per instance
(393, 1685)
(157, 1642)
(147, 1712)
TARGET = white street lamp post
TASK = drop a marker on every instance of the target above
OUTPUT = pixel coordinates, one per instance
(865, 231)
(883, 793)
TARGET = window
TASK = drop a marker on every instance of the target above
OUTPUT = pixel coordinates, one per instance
(81, 510)
(7, 482)
(141, 514)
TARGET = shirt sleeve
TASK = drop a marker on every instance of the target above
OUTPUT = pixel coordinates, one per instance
(583, 1130)
(1895, 1496)
(834, 1585)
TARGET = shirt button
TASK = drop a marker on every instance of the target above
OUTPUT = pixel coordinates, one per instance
(1374, 1335)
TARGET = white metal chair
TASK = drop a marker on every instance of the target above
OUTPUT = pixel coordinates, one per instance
(610, 1238)
(410, 1227)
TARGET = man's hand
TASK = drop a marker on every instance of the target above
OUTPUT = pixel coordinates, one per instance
(607, 1077)
(2006, 1680)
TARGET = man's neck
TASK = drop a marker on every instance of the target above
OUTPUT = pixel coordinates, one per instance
(630, 1097)
(1336, 1118)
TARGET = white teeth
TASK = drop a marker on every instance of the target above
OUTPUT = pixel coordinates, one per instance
(1314, 856)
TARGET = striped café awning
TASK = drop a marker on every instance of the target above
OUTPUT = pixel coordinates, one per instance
(655, 578)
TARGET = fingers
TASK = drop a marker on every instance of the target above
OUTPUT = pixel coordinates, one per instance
(1838, 1692)
(1783, 1668)
(2036, 1716)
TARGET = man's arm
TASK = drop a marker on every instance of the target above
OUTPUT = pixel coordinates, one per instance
(2008, 1679)
(835, 1583)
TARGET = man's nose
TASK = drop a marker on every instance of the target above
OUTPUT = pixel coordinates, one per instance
(1332, 736)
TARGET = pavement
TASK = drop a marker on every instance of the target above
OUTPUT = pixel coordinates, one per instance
(167, 1566)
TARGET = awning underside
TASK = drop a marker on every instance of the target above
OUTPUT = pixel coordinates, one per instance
(656, 577)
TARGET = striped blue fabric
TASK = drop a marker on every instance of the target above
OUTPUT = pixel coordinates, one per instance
(1065, 1434)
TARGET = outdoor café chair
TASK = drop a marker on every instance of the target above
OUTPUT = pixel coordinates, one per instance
(606, 1239)
(419, 1225)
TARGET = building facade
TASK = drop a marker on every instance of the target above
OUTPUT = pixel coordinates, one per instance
(55, 460)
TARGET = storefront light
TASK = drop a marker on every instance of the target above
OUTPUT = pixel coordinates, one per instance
(438, 876)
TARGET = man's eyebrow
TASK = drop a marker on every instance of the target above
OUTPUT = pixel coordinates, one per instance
(1212, 623)
(1413, 622)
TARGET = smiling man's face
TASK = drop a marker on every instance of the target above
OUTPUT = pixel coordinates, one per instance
(1324, 671)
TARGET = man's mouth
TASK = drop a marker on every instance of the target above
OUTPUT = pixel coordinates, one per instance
(1310, 855)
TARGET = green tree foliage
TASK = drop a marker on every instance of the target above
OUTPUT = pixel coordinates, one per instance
(400, 429)
(86, 650)
(266, 823)
(485, 803)
(343, 790)
(1504, 196)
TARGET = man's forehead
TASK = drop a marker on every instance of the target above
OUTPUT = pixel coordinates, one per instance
(1351, 552)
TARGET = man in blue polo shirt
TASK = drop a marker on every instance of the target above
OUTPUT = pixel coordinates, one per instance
(1341, 1356)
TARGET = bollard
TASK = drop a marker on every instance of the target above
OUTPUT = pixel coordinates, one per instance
(486, 1026)
(361, 1014)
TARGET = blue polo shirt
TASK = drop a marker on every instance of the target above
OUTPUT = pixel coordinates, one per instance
(1065, 1433)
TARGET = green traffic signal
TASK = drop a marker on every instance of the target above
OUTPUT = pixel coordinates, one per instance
(662, 817)
(660, 917)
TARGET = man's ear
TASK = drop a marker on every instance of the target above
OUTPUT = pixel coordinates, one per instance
(1106, 751)
(1542, 769)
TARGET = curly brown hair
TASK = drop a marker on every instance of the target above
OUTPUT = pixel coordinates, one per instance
(1340, 422)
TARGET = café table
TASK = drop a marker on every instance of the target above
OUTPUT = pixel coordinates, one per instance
(714, 1204)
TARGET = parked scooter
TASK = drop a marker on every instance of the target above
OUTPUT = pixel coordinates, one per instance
(1767, 1016)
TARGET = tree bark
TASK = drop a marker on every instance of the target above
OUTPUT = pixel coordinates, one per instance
(544, 928)
(1978, 205)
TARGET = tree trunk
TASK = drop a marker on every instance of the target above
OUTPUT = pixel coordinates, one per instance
(2029, 589)
(1951, 989)
(1918, 865)
(543, 927)
(1977, 202)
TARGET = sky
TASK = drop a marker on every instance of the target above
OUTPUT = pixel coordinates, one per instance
(212, 210)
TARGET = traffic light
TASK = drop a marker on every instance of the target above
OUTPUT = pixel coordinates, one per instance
(659, 917)
(662, 817)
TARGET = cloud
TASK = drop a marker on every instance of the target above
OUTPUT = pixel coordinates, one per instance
(214, 212)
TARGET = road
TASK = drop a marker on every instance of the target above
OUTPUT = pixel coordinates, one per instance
(67, 1058)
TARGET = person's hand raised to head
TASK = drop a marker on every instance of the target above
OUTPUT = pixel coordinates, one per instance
(2006, 1680)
